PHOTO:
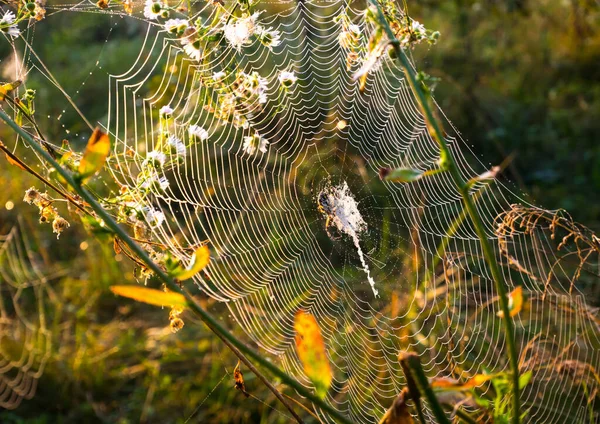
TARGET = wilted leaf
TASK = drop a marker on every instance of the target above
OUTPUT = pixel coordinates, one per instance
(400, 175)
(398, 413)
(96, 152)
(311, 350)
(200, 259)
(150, 296)
(515, 302)
(7, 88)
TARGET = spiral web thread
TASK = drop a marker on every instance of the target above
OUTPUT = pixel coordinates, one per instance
(25, 341)
(271, 253)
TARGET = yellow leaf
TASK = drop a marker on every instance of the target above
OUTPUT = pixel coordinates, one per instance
(7, 88)
(311, 350)
(150, 296)
(515, 302)
(200, 259)
(96, 152)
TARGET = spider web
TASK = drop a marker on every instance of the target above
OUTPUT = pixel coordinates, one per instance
(25, 340)
(273, 252)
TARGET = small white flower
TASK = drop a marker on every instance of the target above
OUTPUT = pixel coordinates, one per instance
(255, 142)
(7, 22)
(8, 18)
(166, 111)
(176, 145)
(239, 31)
(155, 159)
(261, 85)
(218, 76)
(13, 31)
(287, 79)
(418, 28)
(154, 182)
(153, 217)
(269, 37)
(197, 132)
(192, 48)
(349, 36)
(176, 26)
(152, 9)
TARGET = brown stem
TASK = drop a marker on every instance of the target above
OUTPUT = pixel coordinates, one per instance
(27, 168)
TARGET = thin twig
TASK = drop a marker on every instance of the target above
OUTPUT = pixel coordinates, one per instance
(27, 168)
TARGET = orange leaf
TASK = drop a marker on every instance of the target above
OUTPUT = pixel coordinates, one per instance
(311, 350)
(14, 162)
(454, 385)
(150, 296)
(515, 302)
(96, 152)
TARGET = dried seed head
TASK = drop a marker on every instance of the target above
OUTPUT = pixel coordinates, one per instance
(31, 195)
(176, 324)
(48, 213)
(59, 225)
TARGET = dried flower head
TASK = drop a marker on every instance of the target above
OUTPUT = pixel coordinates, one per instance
(31, 195)
(59, 225)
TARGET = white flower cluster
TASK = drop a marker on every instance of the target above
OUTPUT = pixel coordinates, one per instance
(239, 32)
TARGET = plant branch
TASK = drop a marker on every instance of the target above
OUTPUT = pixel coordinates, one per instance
(239, 348)
(449, 162)
(418, 385)
(27, 168)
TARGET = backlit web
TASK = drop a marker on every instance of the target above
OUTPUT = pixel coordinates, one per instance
(25, 340)
(285, 187)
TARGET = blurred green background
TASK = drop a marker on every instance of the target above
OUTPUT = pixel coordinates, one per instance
(517, 78)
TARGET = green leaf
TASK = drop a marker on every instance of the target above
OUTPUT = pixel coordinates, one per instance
(400, 175)
(96, 152)
(524, 379)
(150, 296)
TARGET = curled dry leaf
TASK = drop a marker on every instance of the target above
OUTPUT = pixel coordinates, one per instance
(199, 261)
(311, 350)
(238, 377)
(515, 302)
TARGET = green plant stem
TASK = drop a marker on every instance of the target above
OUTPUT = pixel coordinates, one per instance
(448, 160)
(237, 347)
(418, 385)
(462, 415)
